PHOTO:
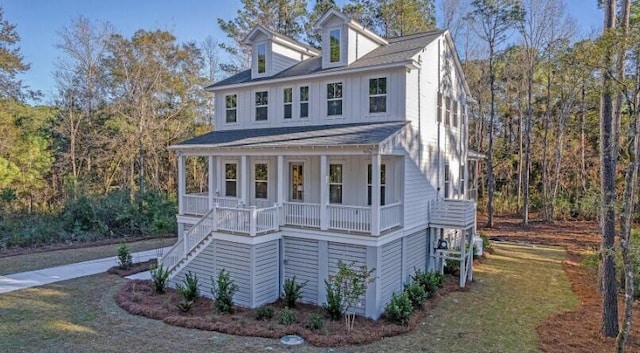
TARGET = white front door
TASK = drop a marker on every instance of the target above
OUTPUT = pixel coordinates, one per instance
(296, 182)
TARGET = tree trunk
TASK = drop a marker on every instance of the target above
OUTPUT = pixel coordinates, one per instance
(490, 178)
(527, 148)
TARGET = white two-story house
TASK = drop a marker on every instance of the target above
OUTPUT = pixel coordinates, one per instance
(354, 152)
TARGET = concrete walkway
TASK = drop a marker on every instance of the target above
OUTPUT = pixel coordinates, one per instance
(22, 280)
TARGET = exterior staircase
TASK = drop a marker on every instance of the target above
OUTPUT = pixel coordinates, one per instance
(190, 245)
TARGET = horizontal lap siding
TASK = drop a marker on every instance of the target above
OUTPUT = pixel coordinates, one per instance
(267, 275)
(390, 275)
(203, 266)
(416, 258)
(352, 255)
(301, 257)
(235, 259)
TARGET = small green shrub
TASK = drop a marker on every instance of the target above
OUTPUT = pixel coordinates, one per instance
(314, 322)
(292, 292)
(333, 306)
(451, 267)
(124, 257)
(486, 244)
(185, 305)
(264, 313)
(399, 309)
(223, 289)
(159, 277)
(416, 294)
(189, 289)
(287, 317)
(429, 281)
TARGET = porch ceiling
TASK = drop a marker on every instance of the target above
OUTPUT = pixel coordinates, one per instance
(295, 136)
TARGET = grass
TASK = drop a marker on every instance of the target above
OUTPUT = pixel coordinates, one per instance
(514, 290)
(35, 261)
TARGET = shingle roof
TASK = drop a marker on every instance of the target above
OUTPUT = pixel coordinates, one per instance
(398, 50)
(299, 136)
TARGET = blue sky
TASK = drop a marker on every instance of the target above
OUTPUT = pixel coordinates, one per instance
(38, 22)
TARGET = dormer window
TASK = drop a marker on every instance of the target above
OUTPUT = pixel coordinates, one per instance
(262, 58)
(334, 45)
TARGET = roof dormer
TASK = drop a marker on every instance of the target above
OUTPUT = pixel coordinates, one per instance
(272, 52)
(344, 40)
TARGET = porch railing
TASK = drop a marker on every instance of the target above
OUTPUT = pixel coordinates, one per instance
(302, 214)
(190, 240)
(350, 218)
(390, 216)
(196, 204)
(452, 213)
(267, 219)
(233, 219)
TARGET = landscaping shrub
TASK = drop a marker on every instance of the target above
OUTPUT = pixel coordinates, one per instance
(287, 317)
(416, 294)
(159, 277)
(223, 289)
(333, 306)
(292, 292)
(429, 281)
(264, 313)
(314, 322)
(399, 309)
(189, 289)
(345, 290)
(486, 244)
(451, 267)
(185, 305)
(124, 257)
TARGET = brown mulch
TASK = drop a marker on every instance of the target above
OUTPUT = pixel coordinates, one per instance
(136, 267)
(575, 331)
(138, 298)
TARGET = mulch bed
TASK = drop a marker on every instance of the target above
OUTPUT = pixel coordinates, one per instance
(133, 269)
(575, 331)
(138, 298)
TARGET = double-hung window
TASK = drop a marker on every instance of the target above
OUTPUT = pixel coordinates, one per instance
(304, 102)
(462, 190)
(447, 181)
(447, 114)
(334, 45)
(378, 95)
(261, 172)
(262, 58)
(288, 103)
(455, 113)
(383, 184)
(231, 106)
(262, 106)
(231, 180)
(334, 98)
(335, 183)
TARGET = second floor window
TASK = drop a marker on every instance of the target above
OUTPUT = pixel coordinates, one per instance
(261, 180)
(304, 101)
(383, 184)
(288, 103)
(447, 113)
(262, 58)
(334, 98)
(231, 180)
(447, 181)
(231, 105)
(262, 106)
(335, 183)
(378, 95)
(455, 114)
(334, 45)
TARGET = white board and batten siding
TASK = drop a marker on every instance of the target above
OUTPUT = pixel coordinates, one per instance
(390, 272)
(301, 260)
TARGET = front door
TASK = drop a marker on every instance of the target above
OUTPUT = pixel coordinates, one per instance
(296, 182)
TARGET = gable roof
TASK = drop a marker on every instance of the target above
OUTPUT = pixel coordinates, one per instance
(349, 22)
(296, 136)
(400, 51)
(286, 40)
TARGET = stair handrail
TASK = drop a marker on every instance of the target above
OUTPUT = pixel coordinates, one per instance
(179, 249)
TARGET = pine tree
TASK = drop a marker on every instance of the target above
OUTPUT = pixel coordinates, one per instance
(11, 61)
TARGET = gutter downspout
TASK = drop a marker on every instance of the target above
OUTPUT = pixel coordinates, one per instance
(439, 122)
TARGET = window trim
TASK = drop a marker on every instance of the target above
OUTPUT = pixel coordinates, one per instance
(339, 47)
(258, 46)
(256, 181)
(228, 109)
(256, 106)
(340, 99)
(378, 95)
(447, 180)
(289, 103)
(300, 101)
(226, 180)
(334, 184)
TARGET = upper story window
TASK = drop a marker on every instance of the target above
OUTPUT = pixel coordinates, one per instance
(335, 183)
(455, 114)
(304, 102)
(230, 180)
(288, 103)
(262, 58)
(231, 106)
(383, 183)
(447, 113)
(378, 95)
(334, 45)
(262, 106)
(439, 107)
(334, 98)
(261, 180)
(447, 181)
(462, 191)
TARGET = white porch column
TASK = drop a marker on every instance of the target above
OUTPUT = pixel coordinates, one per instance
(220, 177)
(324, 192)
(375, 194)
(280, 193)
(244, 179)
(212, 181)
(182, 185)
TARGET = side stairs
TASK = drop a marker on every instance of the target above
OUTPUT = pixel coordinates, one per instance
(190, 245)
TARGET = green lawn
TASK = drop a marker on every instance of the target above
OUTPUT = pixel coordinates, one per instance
(29, 262)
(514, 290)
